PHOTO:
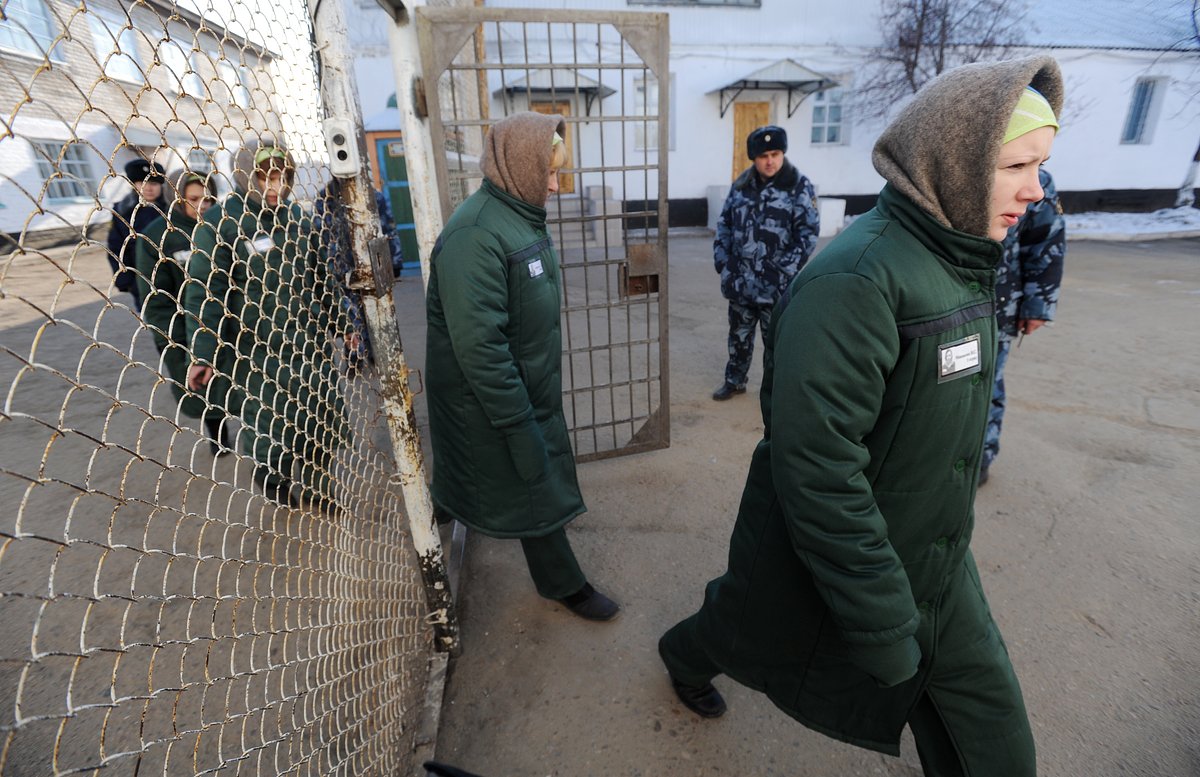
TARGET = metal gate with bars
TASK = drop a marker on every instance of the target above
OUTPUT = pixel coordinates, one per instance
(606, 74)
(161, 613)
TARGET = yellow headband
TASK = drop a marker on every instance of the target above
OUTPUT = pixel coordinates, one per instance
(269, 152)
(1033, 112)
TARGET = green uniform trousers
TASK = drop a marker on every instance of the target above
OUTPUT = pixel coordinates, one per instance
(970, 719)
(552, 565)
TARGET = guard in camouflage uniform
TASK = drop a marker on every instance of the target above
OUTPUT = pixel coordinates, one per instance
(767, 231)
(163, 253)
(1028, 280)
(258, 281)
(130, 215)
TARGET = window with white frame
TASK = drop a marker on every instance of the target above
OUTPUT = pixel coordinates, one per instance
(66, 167)
(232, 80)
(175, 60)
(194, 83)
(645, 96)
(27, 27)
(245, 80)
(116, 47)
(827, 129)
(1139, 123)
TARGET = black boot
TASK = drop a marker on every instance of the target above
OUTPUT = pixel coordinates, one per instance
(590, 604)
(727, 390)
(704, 700)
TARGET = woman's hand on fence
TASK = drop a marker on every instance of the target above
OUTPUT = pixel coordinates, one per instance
(199, 376)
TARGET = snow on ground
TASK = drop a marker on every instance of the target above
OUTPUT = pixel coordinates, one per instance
(1169, 222)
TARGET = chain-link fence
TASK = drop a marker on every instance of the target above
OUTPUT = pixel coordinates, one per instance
(204, 564)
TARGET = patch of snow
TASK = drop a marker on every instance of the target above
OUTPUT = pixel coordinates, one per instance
(1173, 222)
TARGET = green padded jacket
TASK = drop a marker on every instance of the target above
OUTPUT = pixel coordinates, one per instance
(502, 459)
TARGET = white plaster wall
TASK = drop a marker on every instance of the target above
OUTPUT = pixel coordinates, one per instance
(1089, 155)
(711, 47)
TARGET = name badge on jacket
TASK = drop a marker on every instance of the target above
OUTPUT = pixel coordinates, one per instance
(182, 257)
(535, 268)
(259, 244)
(959, 359)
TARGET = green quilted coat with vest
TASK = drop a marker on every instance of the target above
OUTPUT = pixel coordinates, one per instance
(502, 458)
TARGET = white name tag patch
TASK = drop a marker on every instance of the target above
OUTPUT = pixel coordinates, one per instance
(263, 243)
(959, 359)
(182, 256)
(535, 268)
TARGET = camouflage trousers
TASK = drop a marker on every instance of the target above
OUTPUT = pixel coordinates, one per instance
(742, 319)
(991, 437)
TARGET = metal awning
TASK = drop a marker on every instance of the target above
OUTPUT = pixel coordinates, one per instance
(785, 75)
(546, 84)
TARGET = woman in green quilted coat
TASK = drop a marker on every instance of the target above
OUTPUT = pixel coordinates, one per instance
(258, 284)
(851, 598)
(163, 251)
(502, 460)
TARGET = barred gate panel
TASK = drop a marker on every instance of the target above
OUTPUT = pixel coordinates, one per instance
(606, 74)
(161, 613)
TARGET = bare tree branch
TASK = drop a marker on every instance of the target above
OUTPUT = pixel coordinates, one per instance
(923, 38)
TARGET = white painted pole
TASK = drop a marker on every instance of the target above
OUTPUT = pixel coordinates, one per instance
(419, 154)
(372, 280)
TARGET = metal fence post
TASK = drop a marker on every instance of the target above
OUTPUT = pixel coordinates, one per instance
(372, 280)
(418, 142)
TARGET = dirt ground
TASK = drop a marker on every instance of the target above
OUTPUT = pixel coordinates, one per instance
(1087, 538)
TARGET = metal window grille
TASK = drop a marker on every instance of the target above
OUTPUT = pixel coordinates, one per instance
(66, 170)
(26, 26)
(1139, 111)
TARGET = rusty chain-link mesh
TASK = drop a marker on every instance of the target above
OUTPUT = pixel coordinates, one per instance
(216, 581)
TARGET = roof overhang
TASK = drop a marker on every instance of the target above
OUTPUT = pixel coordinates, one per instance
(542, 84)
(786, 75)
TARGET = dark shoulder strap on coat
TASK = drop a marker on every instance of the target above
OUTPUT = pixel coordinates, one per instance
(520, 255)
(910, 332)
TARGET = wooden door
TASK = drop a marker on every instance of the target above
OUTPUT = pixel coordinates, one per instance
(747, 117)
(566, 181)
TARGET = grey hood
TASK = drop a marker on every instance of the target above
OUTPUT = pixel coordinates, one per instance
(517, 154)
(941, 150)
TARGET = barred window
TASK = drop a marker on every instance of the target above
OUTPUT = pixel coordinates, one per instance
(65, 166)
(116, 47)
(827, 118)
(26, 27)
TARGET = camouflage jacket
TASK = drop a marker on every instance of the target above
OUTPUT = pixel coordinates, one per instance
(1030, 273)
(766, 233)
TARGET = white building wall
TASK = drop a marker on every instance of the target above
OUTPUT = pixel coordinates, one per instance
(714, 46)
(1089, 155)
